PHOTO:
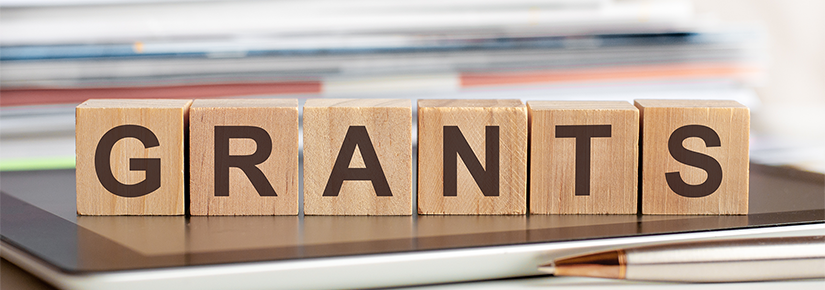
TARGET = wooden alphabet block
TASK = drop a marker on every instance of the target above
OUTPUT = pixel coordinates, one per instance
(694, 156)
(243, 157)
(357, 157)
(472, 157)
(583, 157)
(130, 157)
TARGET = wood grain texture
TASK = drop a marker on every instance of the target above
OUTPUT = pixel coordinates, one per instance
(472, 117)
(388, 125)
(166, 119)
(555, 184)
(660, 119)
(279, 119)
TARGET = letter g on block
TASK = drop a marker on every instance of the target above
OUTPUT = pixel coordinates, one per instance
(150, 165)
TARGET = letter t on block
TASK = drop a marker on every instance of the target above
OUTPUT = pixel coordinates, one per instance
(130, 157)
(584, 157)
(243, 157)
(357, 157)
(472, 157)
(694, 156)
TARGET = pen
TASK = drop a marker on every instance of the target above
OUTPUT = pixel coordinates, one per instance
(707, 261)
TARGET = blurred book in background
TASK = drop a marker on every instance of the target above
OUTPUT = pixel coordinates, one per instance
(55, 54)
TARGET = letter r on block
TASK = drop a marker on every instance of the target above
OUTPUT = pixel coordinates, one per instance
(246, 163)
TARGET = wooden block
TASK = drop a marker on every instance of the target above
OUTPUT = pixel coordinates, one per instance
(481, 168)
(694, 156)
(243, 157)
(357, 157)
(584, 157)
(130, 157)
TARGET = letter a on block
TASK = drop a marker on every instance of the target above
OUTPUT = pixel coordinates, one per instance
(130, 157)
(243, 157)
(583, 157)
(372, 171)
(340, 134)
(694, 156)
(472, 157)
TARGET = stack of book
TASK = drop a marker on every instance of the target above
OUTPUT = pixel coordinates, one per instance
(67, 51)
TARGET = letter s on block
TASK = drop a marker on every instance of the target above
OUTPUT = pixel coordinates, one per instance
(150, 165)
(710, 165)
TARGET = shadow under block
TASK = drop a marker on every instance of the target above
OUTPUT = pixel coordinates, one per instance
(694, 156)
(243, 157)
(130, 157)
(584, 157)
(486, 170)
(357, 157)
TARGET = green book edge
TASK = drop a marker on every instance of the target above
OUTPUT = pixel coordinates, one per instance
(41, 163)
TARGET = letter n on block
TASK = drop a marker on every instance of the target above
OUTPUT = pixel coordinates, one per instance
(472, 157)
(583, 157)
(130, 157)
(694, 156)
(357, 157)
(243, 157)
